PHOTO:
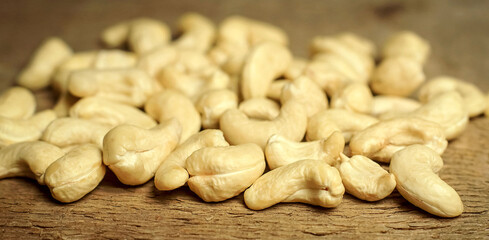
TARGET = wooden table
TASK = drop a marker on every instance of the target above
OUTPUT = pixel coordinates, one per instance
(457, 30)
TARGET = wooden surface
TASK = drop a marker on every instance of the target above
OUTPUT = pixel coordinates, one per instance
(457, 30)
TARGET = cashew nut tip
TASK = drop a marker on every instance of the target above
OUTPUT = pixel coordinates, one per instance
(307, 181)
(415, 169)
(75, 174)
(220, 173)
(172, 173)
(28, 159)
(134, 154)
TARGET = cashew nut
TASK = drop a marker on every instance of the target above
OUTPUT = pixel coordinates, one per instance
(198, 32)
(220, 173)
(28, 159)
(75, 174)
(22, 130)
(172, 104)
(239, 129)
(280, 151)
(448, 110)
(365, 179)
(110, 59)
(130, 86)
(398, 76)
(324, 123)
(142, 34)
(134, 154)
(307, 92)
(266, 62)
(154, 61)
(357, 43)
(37, 74)
(406, 44)
(355, 97)
(381, 140)
(328, 76)
(415, 169)
(474, 99)
(260, 108)
(109, 112)
(383, 104)
(17, 103)
(64, 132)
(172, 172)
(307, 181)
(212, 104)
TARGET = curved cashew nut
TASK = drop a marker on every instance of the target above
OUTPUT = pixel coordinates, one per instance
(307, 92)
(307, 181)
(212, 104)
(365, 179)
(355, 97)
(193, 85)
(75, 174)
(108, 112)
(17, 103)
(448, 110)
(220, 173)
(280, 151)
(23, 130)
(48, 56)
(381, 140)
(324, 123)
(239, 129)
(28, 159)
(406, 44)
(198, 32)
(266, 62)
(275, 90)
(386, 105)
(130, 86)
(474, 99)
(398, 76)
(260, 108)
(415, 169)
(172, 104)
(64, 132)
(142, 34)
(134, 154)
(172, 172)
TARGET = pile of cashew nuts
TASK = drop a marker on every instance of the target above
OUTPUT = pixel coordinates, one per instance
(228, 109)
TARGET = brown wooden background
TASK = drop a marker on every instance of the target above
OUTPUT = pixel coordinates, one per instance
(457, 30)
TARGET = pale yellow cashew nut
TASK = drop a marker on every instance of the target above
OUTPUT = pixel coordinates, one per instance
(397, 76)
(198, 32)
(22, 130)
(260, 108)
(307, 92)
(406, 44)
(307, 181)
(65, 132)
(355, 97)
(17, 103)
(213, 103)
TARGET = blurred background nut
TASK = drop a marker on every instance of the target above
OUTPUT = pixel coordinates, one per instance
(306, 181)
(355, 97)
(134, 154)
(220, 173)
(365, 179)
(75, 174)
(416, 170)
(198, 32)
(37, 74)
(17, 103)
(474, 99)
(406, 44)
(397, 76)
(28, 159)
(296, 68)
(392, 105)
(280, 151)
(172, 173)
(381, 140)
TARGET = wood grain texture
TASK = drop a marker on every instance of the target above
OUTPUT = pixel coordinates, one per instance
(457, 30)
